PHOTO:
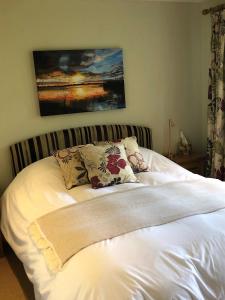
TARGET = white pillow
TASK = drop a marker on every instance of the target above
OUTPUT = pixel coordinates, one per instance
(38, 189)
(160, 163)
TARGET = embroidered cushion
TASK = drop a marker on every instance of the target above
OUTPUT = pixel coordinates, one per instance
(107, 165)
(72, 166)
(133, 153)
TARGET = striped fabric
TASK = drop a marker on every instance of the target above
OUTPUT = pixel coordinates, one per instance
(33, 149)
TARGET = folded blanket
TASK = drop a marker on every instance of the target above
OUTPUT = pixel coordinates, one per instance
(66, 231)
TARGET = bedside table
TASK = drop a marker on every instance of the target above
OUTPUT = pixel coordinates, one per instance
(194, 162)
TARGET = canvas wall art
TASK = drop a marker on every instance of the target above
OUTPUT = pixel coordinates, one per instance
(74, 81)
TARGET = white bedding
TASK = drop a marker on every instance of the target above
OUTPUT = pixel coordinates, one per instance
(180, 260)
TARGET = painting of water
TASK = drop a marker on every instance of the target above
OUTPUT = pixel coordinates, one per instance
(75, 81)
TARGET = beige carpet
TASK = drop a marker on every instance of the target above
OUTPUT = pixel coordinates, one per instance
(14, 284)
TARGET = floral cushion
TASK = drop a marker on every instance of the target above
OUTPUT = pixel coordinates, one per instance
(107, 165)
(134, 156)
(72, 166)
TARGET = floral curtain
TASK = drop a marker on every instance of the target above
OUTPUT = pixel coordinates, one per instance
(216, 95)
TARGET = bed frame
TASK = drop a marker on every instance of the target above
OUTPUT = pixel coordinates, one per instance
(38, 147)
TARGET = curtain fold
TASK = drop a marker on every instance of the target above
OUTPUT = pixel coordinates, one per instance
(216, 95)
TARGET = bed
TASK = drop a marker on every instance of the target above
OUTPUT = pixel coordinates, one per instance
(179, 259)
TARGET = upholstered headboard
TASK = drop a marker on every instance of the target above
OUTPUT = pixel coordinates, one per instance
(38, 147)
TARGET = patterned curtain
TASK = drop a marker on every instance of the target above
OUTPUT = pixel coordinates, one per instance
(216, 95)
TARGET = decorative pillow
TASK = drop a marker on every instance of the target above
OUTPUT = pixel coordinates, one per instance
(133, 153)
(107, 165)
(72, 166)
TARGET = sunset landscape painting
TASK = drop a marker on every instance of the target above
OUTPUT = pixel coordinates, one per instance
(74, 81)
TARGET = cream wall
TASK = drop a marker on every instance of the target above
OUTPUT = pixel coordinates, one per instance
(162, 50)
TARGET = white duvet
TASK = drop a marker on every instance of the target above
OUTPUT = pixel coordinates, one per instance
(184, 259)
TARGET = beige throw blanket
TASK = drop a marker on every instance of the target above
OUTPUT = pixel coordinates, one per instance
(64, 232)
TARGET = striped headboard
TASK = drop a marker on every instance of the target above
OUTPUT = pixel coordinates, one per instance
(38, 147)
